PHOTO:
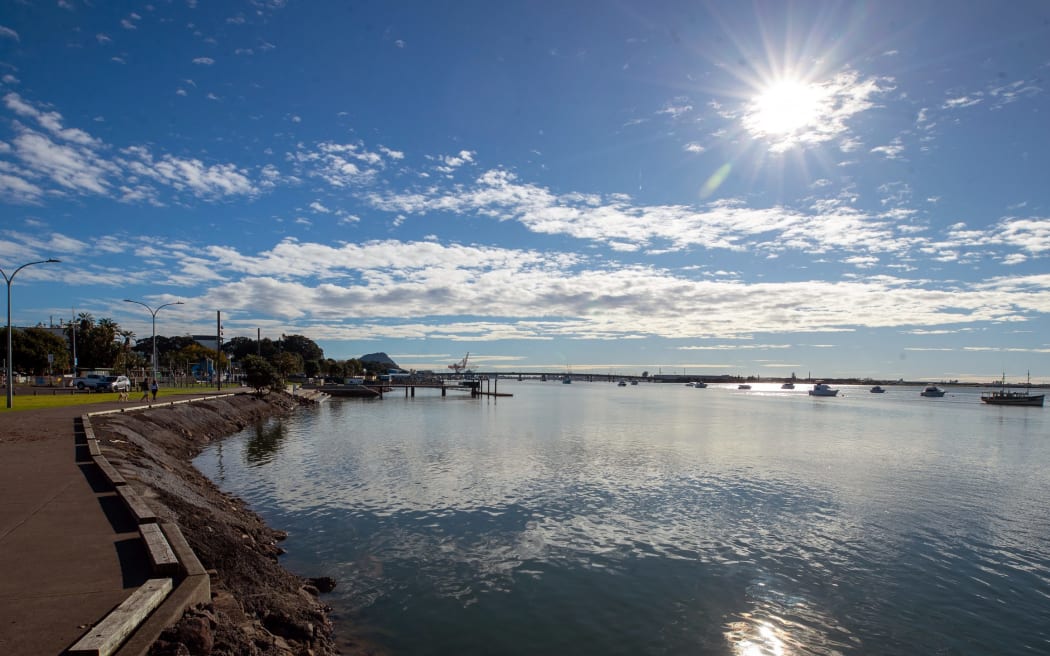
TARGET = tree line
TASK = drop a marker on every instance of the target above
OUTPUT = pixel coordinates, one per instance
(104, 344)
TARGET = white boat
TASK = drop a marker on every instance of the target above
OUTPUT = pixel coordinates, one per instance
(932, 391)
(699, 384)
(821, 389)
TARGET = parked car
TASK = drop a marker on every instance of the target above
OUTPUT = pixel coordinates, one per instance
(116, 384)
(90, 381)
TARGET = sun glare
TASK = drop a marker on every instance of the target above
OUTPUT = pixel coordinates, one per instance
(784, 107)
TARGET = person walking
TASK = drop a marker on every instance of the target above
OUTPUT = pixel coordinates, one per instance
(144, 386)
(153, 388)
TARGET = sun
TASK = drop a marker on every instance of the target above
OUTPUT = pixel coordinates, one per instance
(784, 107)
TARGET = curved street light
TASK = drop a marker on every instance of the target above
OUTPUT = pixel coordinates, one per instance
(153, 313)
(10, 368)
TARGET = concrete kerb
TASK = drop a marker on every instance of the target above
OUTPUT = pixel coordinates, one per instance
(133, 627)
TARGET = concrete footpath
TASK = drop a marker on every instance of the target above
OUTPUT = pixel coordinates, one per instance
(69, 550)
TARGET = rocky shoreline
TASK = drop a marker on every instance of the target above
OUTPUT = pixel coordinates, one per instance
(257, 606)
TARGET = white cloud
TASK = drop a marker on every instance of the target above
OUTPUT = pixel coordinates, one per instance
(74, 168)
(616, 220)
(694, 148)
(8, 33)
(49, 120)
(71, 161)
(891, 150)
(963, 101)
(341, 165)
(366, 291)
(18, 189)
(203, 61)
(676, 108)
(204, 181)
(450, 163)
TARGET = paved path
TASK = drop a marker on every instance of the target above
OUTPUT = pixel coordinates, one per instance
(69, 551)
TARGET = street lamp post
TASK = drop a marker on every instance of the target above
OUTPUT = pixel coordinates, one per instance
(10, 368)
(153, 313)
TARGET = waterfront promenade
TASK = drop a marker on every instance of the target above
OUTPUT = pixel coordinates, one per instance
(69, 550)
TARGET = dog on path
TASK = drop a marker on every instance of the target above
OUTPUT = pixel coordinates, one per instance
(123, 396)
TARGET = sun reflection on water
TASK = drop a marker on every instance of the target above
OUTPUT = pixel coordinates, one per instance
(752, 637)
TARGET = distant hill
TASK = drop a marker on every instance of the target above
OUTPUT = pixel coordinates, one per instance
(380, 358)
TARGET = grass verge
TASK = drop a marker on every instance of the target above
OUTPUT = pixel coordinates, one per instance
(39, 398)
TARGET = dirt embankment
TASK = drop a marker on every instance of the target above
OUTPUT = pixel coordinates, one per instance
(257, 606)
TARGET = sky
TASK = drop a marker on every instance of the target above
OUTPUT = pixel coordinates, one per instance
(830, 189)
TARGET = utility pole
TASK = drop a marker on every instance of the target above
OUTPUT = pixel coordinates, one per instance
(218, 350)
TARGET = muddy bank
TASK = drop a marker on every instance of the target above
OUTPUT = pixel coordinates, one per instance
(257, 606)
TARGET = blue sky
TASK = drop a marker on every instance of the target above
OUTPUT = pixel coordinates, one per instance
(842, 189)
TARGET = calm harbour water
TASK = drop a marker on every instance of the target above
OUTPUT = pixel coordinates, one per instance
(662, 519)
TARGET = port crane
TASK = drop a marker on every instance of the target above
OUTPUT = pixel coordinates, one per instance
(460, 366)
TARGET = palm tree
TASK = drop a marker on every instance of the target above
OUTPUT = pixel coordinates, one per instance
(125, 347)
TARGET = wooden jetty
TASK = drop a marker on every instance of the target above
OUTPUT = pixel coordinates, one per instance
(476, 388)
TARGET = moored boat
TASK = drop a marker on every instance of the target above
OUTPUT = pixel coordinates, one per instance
(621, 383)
(788, 386)
(822, 389)
(743, 386)
(1004, 396)
(699, 384)
(932, 391)
(877, 390)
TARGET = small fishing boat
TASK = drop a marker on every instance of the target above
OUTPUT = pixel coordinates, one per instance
(621, 383)
(932, 391)
(877, 390)
(788, 386)
(822, 389)
(699, 384)
(743, 386)
(1003, 396)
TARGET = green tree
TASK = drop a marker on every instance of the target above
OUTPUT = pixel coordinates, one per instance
(302, 346)
(166, 346)
(241, 347)
(260, 374)
(30, 348)
(97, 343)
(288, 363)
(332, 368)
